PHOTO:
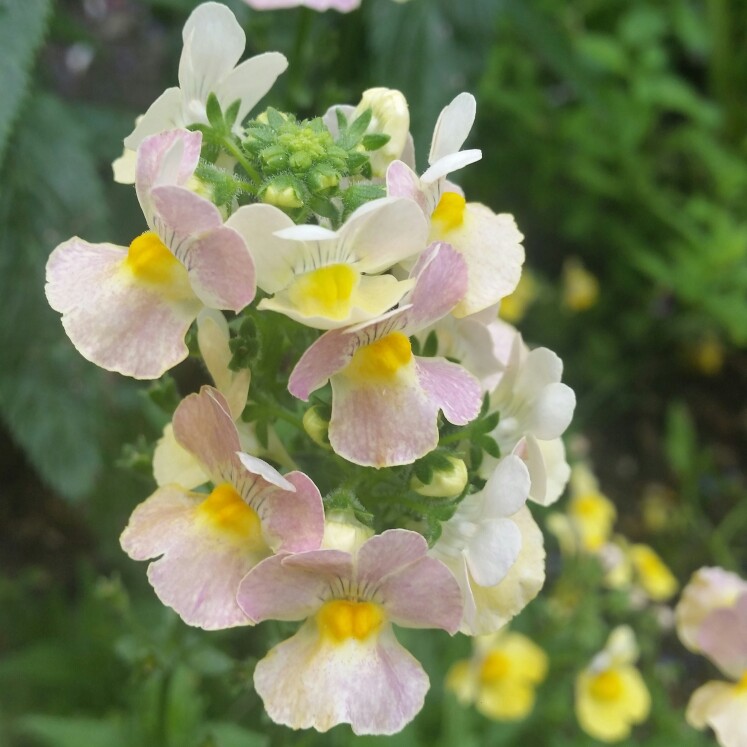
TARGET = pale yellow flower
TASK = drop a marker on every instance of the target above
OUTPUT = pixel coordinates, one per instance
(652, 573)
(514, 306)
(501, 678)
(580, 287)
(611, 696)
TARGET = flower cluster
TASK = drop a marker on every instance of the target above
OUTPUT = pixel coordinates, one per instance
(309, 262)
(712, 620)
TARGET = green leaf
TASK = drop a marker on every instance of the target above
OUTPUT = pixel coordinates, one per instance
(358, 128)
(375, 141)
(58, 731)
(214, 113)
(22, 28)
(51, 399)
(229, 735)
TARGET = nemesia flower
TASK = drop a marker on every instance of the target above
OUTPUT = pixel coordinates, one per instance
(590, 516)
(128, 310)
(501, 677)
(652, 573)
(722, 637)
(708, 590)
(385, 400)
(580, 287)
(483, 541)
(490, 243)
(344, 665)
(611, 696)
(213, 43)
(208, 542)
(535, 408)
(331, 279)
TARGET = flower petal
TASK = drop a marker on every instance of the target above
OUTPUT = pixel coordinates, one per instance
(250, 81)
(112, 318)
(291, 587)
(375, 686)
(723, 638)
(402, 181)
(450, 388)
(293, 520)
(165, 113)
(493, 550)
(722, 707)
(213, 43)
(173, 464)
(200, 569)
(204, 427)
(507, 488)
(453, 126)
(447, 164)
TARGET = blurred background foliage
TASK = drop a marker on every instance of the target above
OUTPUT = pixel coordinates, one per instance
(615, 131)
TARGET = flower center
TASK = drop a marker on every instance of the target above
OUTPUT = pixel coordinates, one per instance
(150, 260)
(324, 292)
(381, 359)
(226, 511)
(341, 619)
(449, 213)
(606, 686)
(495, 667)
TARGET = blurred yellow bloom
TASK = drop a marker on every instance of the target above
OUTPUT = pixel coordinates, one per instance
(580, 287)
(501, 677)
(706, 355)
(590, 516)
(652, 573)
(514, 306)
(611, 696)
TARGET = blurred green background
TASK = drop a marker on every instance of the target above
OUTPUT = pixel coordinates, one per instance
(614, 130)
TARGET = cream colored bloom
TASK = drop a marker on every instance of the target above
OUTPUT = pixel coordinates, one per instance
(611, 696)
(501, 677)
(391, 116)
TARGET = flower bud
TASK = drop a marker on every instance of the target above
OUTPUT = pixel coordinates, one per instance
(316, 426)
(274, 158)
(322, 178)
(448, 482)
(283, 193)
(390, 117)
(342, 531)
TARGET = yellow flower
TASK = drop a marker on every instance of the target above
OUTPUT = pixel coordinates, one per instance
(611, 695)
(514, 307)
(652, 574)
(501, 677)
(580, 287)
(590, 516)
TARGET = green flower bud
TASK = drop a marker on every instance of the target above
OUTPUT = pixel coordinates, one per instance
(283, 192)
(300, 161)
(274, 158)
(445, 483)
(316, 426)
(342, 531)
(322, 178)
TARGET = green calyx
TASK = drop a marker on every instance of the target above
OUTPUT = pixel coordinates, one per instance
(297, 166)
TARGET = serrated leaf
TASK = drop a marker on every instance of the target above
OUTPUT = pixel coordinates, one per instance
(51, 399)
(22, 28)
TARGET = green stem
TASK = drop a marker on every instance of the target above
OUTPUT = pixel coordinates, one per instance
(229, 144)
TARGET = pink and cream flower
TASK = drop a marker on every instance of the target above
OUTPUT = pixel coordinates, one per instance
(490, 243)
(712, 620)
(491, 533)
(213, 43)
(128, 309)
(385, 400)
(330, 279)
(207, 542)
(345, 665)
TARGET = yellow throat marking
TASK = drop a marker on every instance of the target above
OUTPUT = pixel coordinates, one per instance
(495, 667)
(340, 620)
(150, 261)
(606, 686)
(325, 292)
(449, 213)
(381, 359)
(225, 510)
